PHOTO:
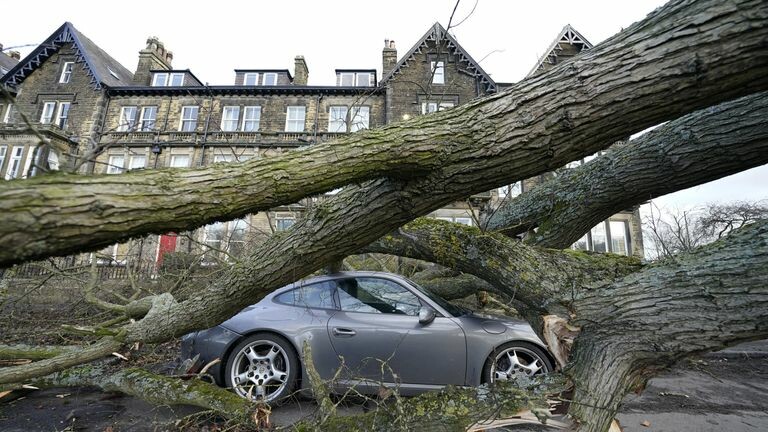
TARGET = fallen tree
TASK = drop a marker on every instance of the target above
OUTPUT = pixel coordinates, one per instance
(538, 125)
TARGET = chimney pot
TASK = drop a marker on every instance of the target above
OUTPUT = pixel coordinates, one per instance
(15, 55)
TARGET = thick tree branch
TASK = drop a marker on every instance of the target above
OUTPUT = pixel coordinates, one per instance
(64, 360)
(694, 149)
(684, 56)
(574, 105)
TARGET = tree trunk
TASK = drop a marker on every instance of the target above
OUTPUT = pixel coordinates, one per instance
(686, 55)
(627, 326)
(575, 106)
(700, 147)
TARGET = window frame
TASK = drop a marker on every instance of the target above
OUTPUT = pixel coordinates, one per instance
(14, 158)
(332, 287)
(46, 117)
(157, 75)
(191, 120)
(172, 77)
(421, 303)
(289, 120)
(333, 120)
(354, 114)
(434, 66)
(7, 116)
(246, 119)
(255, 76)
(272, 75)
(113, 167)
(62, 114)
(3, 153)
(175, 157)
(124, 123)
(143, 120)
(228, 123)
(135, 157)
(66, 72)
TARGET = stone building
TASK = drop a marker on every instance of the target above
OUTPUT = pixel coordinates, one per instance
(94, 116)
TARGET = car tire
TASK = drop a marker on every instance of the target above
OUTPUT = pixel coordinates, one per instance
(516, 358)
(263, 366)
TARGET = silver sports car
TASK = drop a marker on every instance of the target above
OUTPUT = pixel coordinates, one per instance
(375, 328)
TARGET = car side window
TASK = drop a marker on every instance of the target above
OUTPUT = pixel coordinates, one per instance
(317, 296)
(376, 295)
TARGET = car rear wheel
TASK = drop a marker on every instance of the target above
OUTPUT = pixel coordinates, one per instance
(262, 367)
(514, 359)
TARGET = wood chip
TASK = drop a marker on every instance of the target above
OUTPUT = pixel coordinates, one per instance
(5, 393)
(63, 395)
(120, 356)
(645, 423)
(30, 387)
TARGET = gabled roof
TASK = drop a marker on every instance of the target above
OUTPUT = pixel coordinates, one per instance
(100, 66)
(568, 36)
(438, 33)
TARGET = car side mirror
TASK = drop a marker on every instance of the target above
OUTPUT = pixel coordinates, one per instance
(426, 315)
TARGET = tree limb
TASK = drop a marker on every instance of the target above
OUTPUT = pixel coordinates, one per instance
(694, 149)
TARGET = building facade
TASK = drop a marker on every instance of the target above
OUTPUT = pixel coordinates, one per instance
(94, 116)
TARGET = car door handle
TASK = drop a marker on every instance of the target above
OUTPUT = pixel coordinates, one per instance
(344, 332)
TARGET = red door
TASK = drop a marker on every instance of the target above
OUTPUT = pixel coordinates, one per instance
(167, 244)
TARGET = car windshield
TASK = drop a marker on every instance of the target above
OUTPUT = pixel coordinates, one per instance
(445, 304)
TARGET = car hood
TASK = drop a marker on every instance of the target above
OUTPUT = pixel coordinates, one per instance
(498, 324)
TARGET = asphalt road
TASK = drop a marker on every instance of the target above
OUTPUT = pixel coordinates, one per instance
(725, 391)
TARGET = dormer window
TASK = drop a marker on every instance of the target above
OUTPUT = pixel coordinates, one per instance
(354, 79)
(251, 79)
(165, 79)
(270, 79)
(66, 72)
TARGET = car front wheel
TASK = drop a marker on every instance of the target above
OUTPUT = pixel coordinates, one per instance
(262, 367)
(514, 359)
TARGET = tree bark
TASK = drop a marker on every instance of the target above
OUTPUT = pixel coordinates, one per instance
(692, 150)
(685, 56)
(575, 106)
(627, 326)
(153, 388)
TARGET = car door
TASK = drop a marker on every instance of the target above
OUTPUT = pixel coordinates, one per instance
(378, 335)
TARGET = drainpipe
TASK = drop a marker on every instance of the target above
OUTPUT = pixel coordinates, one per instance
(317, 113)
(207, 123)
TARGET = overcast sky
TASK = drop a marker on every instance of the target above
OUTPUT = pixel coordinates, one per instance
(214, 38)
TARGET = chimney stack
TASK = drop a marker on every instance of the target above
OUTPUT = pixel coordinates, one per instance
(14, 55)
(153, 57)
(300, 71)
(388, 57)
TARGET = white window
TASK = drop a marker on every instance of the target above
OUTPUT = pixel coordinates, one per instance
(115, 164)
(438, 72)
(3, 151)
(229, 118)
(463, 220)
(355, 79)
(599, 238)
(62, 115)
(188, 119)
(270, 79)
(7, 117)
(294, 119)
(180, 161)
(14, 163)
(48, 110)
(428, 107)
(148, 118)
(53, 160)
(359, 118)
(66, 72)
(127, 119)
(511, 191)
(223, 158)
(137, 162)
(224, 239)
(160, 80)
(283, 222)
(347, 79)
(177, 80)
(619, 243)
(251, 118)
(337, 119)
(251, 79)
